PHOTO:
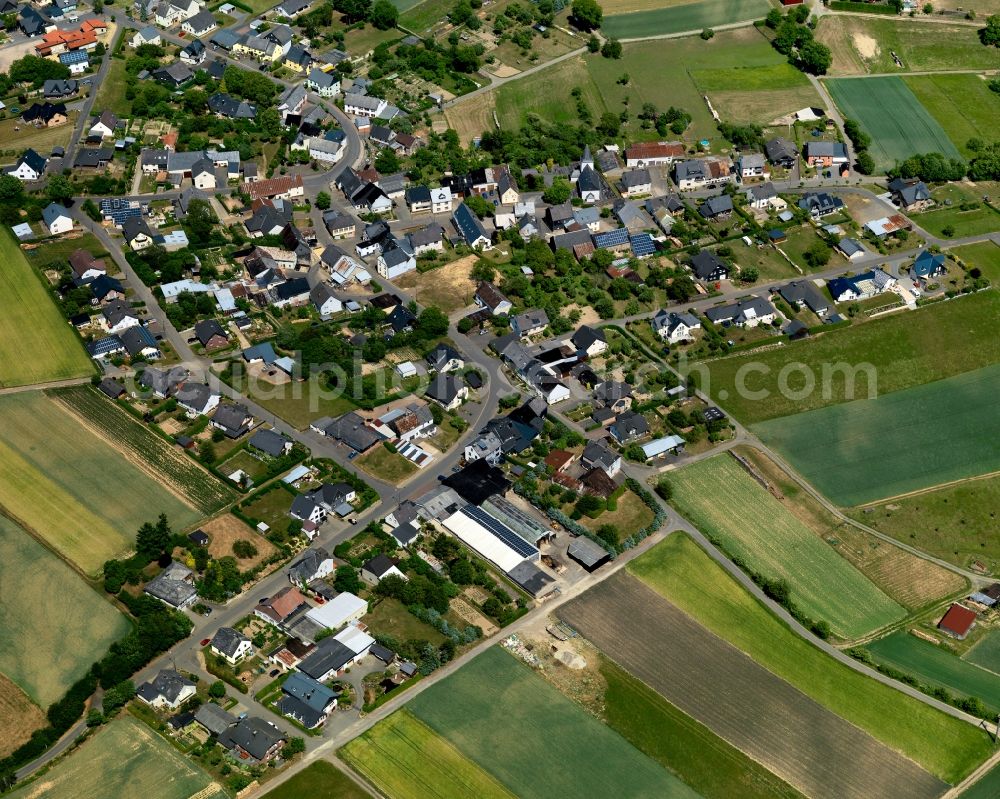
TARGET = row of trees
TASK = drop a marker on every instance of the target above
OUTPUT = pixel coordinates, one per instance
(795, 39)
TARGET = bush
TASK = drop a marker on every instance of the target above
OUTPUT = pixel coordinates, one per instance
(244, 549)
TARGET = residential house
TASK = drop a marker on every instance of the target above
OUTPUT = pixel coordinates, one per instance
(781, 152)
(174, 75)
(210, 334)
(57, 219)
(199, 24)
(30, 166)
(325, 301)
(231, 644)
(928, 266)
(193, 53)
(851, 249)
(764, 197)
(196, 399)
(653, 153)
(119, 316)
(85, 266)
(379, 567)
(820, 204)
(325, 150)
(471, 230)
(173, 586)
(427, 239)
(253, 740)
(752, 167)
(825, 154)
(590, 341)
(636, 182)
(490, 298)
(306, 700)
(363, 105)
(447, 390)
(628, 427)
(233, 419)
(285, 188)
(228, 107)
(167, 690)
(396, 261)
(749, 312)
(213, 719)
(104, 125)
(718, 207)
(339, 224)
(674, 327)
(291, 102)
(708, 267)
(271, 443)
(444, 358)
(139, 343)
(148, 35)
(281, 607)
(530, 323)
(702, 173)
(313, 564)
(804, 294)
(45, 115)
(354, 431)
(911, 195)
(325, 84)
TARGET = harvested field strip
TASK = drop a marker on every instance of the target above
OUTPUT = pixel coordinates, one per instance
(203, 489)
(790, 734)
(55, 478)
(935, 666)
(722, 500)
(986, 652)
(125, 759)
(866, 450)
(941, 340)
(19, 717)
(533, 739)
(404, 758)
(52, 625)
(677, 19)
(710, 765)
(683, 573)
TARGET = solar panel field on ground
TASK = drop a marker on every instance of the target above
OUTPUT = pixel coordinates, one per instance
(891, 114)
(722, 500)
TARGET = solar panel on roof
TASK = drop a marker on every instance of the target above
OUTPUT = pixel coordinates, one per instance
(642, 244)
(612, 238)
(501, 531)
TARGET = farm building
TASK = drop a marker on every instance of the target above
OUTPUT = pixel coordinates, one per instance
(587, 553)
(957, 622)
(489, 537)
(341, 610)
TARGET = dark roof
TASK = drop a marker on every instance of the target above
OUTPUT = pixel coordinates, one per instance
(379, 565)
(253, 735)
(329, 655)
(207, 329)
(270, 442)
(705, 264)
(586, 336)
(477, 482)
(290, 289)
(227, 640)
(587, 553)
(444, 387)
(232, 418)
(167, 683)
(532, 579)
(353, 431)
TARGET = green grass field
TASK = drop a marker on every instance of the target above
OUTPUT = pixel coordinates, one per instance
(43, 605)
(906, 350)
(710, 765)
(421, 17)
(298, 403)
(987, 787)
(687, 17)
(962, 223)
(406, 759)
(111, 92)
(391, 617)
(680, 571)
(935, 666)
(963, 105)
(869, 449)
(72, 487)
(757, 94)
(319, 780)
(894, 118)
(984, 256)
(534, 740)
(723, 501)
(986, 652)
(126, 758)
(36, 344)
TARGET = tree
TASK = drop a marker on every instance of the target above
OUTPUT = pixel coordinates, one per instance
(59, 189)
(244, 549)
(773, 19)
(608, 533)
(481, 270)
(479, 206)
(295, 746)
(590, 505)
(749, 274)
(432, 322)
(346, 579)
(387, 161)
(609, 125)
(817, 255)
(322, 200)
(815, 58)
(11, 189)
(665, 489)
(587, 14)
(864, 163)
(152, 540)
(593, 44)
(612, 49)
(707, 34)
(217, 689)
(354, 10)
(384, 15)
(990, 35)
(559, 192)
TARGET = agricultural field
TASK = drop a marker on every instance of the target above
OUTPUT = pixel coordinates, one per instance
(892, 115)
(680, 18)
(687, 577)
(710, 765)
(867, 450)
(986, 787)
(183, 475)
(798, 739)
(19, 717)
(963, 106)
(984, 256)
(756, 94)
(55, 475)
(986, 652)
(36, 343)
(723, 501)
(318, 780)
(935, 666)
(906, 350)
(534, 740)
(912, 581)
(863, 45)
(956, 523)
(36, 619)
(406, 759)
(126, 758)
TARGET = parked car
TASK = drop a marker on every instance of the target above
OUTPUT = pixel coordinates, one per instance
(205, 641)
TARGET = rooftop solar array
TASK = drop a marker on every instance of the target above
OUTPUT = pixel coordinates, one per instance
(501, 531)
(613, 238)
(643, 244)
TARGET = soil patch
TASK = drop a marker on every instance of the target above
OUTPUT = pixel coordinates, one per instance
(225, 530)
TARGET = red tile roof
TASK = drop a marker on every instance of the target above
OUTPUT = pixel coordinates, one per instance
(957, 621)
(271, 188)
(649, 150)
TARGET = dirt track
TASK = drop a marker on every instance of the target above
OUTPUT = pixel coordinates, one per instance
(799, 740)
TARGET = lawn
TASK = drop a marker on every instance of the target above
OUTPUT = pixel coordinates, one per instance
(723, 501)
(956, 523)
(799, 240)
(36, 343)
(385, 465)
(630, 515)
(126, 758)
(894, 118)
(533, 739)
(962, 104)
(299, 402)
(677, 19)
(905, 350)
(710, 765)
(421, 17)
(244, 461)
(271, 507)
(935, 666)
(361, 41)
(867, 450)
(111, 92)
(16, 135)
(984, 256)
(861, 45)
(406, 759)
(758, 94)
(962, 223)
(390, 617)
(44, 604)
(986, 652)
(679, 570)
(74, 488)
(57, 251)
(768, 261)
(319, 780)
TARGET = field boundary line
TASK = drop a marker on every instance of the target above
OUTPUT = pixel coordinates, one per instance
(68, 383)
(5, 512)
(920, 491)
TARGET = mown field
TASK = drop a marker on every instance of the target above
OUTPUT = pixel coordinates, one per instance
(866, 450)
(892, 115)
(19, 716)
(986, 652)
(710, 765)
(36, 344)
(795, 737)
(319, 780)
(73, 487)
(681, 572)
(680, 18)
(406, 759)
(535, 741)
(937, 667)
(862, 45)
(124, 759)
(758, 94)
(723, 501)
(206, 492)
(53, 626)
(962, 105)
(905, 350)
(984, 256)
